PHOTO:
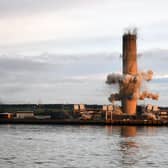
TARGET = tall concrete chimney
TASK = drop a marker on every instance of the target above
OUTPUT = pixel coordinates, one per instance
(131, 81)
(129, 67)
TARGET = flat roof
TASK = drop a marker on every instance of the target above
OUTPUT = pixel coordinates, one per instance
(24, 112)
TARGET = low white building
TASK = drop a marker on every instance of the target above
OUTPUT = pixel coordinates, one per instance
(24, 114)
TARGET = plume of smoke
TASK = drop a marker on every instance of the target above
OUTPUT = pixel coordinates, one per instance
(113, 78)
(114, 97)
(131, 30)
(129, 86)
(147, 75)
(116, 78)
(134, 79)
(148, 95)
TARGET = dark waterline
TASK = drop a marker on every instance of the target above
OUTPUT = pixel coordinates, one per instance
(82, 146)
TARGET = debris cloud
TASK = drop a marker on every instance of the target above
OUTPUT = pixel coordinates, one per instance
(130, 86)
(113, 78)
(146, 94)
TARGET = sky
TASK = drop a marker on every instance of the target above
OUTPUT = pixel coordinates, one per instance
(56, 51)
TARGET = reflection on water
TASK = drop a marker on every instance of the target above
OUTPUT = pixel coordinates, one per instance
(136, 147)
(129, 147)
(82, 146)
(128, 131)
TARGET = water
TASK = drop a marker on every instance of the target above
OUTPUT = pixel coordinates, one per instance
(41, 146)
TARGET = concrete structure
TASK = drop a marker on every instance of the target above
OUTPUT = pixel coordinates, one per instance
(82, 107)
(79, 107)
(110, 107)
(130, 81)
(24, 114)
(76, 108)
(104, 108)
(129, 67)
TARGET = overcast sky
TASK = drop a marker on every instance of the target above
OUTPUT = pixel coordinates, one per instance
(80, 25)
(52, 49)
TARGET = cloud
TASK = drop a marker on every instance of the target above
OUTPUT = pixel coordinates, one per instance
(15, 7)
(61, 77)
(51, 77)
(155, 59)
(54, 66)
(64, 20)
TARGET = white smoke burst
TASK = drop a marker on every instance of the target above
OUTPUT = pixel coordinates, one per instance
(130, 86)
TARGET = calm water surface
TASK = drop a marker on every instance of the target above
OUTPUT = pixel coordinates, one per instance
(41, 146)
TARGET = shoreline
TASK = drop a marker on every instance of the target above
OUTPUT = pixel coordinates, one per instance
(89, 122)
